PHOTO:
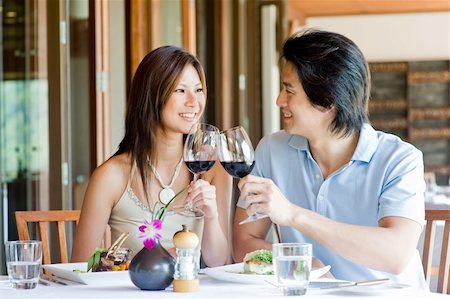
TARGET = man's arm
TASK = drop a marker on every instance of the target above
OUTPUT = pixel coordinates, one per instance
(250, 236)
(387, 247)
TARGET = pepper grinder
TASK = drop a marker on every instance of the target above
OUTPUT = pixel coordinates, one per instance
(186, 269)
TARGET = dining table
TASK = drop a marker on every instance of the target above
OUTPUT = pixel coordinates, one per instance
(209, 288)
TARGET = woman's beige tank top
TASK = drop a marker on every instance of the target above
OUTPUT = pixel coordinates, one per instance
(129, 213)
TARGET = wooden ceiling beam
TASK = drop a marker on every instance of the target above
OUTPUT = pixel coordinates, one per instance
(302, 9)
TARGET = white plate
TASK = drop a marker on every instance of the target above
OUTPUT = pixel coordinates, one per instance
(234, 273)
(390, 288)
(66, 271)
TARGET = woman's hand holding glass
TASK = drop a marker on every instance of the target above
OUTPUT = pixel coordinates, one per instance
(202, 195)
(199, 155)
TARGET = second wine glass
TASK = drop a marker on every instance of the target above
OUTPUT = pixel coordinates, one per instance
(236, 152)
(237, 157)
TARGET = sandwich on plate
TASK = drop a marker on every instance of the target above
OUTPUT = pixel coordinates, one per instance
(258, 262)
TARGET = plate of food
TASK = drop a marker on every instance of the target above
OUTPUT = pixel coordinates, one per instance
(104, 266)
(257, 268)
(77, 272)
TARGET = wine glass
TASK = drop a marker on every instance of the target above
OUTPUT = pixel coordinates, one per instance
(237, 157)
(199, 154)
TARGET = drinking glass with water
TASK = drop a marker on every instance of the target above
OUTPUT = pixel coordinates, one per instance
(292, 267)
(23, 261)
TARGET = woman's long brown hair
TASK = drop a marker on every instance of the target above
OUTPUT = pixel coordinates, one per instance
(154, 81)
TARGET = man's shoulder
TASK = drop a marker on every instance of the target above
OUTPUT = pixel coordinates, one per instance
(392, 148)
(388, 141)
(277, 137)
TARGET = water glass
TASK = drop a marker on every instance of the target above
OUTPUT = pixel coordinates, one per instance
(23, 261)
(292, 266)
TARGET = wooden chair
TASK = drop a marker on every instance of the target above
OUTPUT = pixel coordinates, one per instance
(432, 216)
(42, 218)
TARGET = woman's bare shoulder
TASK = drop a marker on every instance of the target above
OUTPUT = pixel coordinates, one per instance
(114, 172)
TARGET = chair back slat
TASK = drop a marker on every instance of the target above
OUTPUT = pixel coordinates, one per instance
(443, 281)
(428, 249)
(444, 262)
(62, 241)
(44, 236)
(43, 218)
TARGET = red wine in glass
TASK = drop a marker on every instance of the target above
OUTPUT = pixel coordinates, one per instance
(238, 169)
(199, 167)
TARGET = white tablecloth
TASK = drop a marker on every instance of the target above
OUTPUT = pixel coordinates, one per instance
(438, 199)
(209, 288)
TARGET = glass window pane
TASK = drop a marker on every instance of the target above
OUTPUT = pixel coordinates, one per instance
(171, 23)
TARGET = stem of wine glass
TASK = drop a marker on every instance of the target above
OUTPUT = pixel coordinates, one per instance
(189, 204)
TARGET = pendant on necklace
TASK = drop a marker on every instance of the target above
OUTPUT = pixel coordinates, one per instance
(166, 195)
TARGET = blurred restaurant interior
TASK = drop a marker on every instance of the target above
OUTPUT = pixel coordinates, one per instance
(66, 66)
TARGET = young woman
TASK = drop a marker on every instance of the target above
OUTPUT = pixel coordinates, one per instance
(167, 97)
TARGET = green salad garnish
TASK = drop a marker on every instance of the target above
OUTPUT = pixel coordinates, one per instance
(95, 258)
(264, 256)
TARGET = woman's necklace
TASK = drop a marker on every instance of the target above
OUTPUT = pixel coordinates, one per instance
(167, 192)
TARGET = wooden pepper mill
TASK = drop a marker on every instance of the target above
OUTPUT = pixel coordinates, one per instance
(185, 276)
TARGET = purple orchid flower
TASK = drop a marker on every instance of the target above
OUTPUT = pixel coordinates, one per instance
(149, 231)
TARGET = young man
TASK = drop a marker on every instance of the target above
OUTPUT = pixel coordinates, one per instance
(329, 178)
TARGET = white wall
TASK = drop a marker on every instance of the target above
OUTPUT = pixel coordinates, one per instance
(394, 37)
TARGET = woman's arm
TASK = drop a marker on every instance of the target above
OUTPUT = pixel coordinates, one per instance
(105, 187)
